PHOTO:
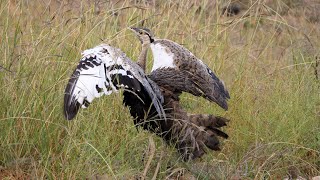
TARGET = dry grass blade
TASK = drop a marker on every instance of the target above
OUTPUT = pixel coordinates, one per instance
(151, 150)
(154, 177)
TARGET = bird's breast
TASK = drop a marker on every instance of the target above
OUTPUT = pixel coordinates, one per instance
(162, 57)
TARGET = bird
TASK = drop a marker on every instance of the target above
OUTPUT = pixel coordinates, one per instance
(176, 70)
(103, 70)
(196, 77)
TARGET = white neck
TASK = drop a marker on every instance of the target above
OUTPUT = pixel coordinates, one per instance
(162, 57)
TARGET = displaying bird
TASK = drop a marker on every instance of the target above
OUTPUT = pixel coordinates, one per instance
(197, 78)
(104, 70)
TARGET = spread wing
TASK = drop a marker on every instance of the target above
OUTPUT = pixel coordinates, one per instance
(197, 76)
(97, 75)
(175, 81)
(209, 87)
(208, 83)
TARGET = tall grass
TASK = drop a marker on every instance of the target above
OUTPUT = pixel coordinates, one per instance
(265, 59)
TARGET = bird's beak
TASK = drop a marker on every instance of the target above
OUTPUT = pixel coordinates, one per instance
(134, 29)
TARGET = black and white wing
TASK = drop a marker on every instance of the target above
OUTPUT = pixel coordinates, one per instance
(104, 70)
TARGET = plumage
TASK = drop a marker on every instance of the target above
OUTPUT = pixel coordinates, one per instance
(104, 70)
(169, 54)
(190, 134)
(163, 58)
(177, 70)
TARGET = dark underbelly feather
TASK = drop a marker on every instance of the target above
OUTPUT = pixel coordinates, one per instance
(145, 114)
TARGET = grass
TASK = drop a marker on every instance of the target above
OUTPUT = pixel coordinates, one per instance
(266, 60)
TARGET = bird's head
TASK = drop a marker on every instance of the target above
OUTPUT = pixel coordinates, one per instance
(144, 34)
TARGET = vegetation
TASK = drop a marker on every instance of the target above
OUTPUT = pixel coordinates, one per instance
(265, 57)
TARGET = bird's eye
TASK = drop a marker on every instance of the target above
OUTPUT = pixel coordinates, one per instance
(140, 32)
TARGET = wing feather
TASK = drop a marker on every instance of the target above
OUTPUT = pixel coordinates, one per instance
(96, 76)
(197, 73)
